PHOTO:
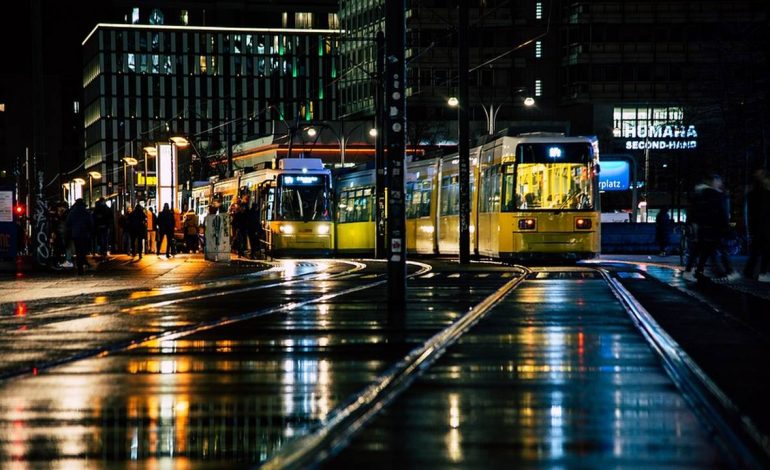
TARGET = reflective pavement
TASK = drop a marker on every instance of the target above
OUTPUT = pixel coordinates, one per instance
(557, 376)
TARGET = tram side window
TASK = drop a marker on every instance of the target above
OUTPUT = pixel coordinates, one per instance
(450, 195)
(418, 199)
(355, 206)
(490, 190)
(511, 200)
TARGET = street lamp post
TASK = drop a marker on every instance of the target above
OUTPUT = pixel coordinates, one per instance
(92, 175)
(128, 192)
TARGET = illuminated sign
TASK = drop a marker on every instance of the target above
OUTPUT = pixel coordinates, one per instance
(554, 152)
(614, 176)
(659, 137)
(300, 180)
(150, 180)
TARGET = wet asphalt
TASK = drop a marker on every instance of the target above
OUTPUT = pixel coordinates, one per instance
(195, 366)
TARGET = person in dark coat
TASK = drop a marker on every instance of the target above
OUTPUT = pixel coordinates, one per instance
(758, 215)
(80, 226)
(252, 229)
(239, 229)
(137, 229)
(103, 222)
(713, 225)
(663, 229)
(166, 229)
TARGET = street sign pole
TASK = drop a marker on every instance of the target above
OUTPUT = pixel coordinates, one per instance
(463, 134)
(395, 86)
(379, 151)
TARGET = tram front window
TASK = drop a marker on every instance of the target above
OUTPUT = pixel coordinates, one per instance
(548, 179)
(304, 201)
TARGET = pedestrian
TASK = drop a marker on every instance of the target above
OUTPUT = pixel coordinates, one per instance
(80, 226)
(103, 221)
(58, 231)
(151, 231)
(166, 230)
(239, 229)
(758, 215)
(663, 228)
(137, 229)
(252, 230)
(190, 228)
(713, 222)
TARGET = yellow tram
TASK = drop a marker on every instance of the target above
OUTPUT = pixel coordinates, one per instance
(294, 202)
(533, 196)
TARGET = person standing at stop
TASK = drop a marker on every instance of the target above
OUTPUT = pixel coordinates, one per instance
(80, 226)
(166, 230)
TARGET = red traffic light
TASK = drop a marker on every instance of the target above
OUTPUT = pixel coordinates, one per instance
(19, 209)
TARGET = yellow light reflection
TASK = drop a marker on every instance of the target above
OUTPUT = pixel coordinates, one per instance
(100, 300)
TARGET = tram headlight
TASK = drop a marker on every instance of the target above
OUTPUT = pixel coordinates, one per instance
(581, 223)
(286, 229)
(527, 224)
(323, 229)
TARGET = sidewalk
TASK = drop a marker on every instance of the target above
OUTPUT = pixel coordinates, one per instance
(674, 269)
(119, 272)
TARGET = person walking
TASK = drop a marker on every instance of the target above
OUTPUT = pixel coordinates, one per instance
(80, 226)
(758, 215)
(166, 230)
(713, 222)
(151, 231)
(137, 228)
(663, 229)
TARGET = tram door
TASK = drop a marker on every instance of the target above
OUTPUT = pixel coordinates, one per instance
(266, 201)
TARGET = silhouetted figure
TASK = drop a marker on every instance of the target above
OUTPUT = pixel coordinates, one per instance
(166, 230)
(758, 214)
(663, 228)
(137, 228)
(713, 225)
(80, 226)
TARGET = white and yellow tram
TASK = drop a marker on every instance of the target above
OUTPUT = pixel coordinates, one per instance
(533, 196)
(294, 202)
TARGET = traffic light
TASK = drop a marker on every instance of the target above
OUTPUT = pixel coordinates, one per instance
(19, 210)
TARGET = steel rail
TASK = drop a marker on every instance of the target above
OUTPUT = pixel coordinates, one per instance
(740, 439)
(134, 343)
(341, 425)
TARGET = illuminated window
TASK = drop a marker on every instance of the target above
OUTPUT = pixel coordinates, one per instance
(334, 21)
(2, 107)
(202, 62)
(75, 107)
(538, 49)
(184, 17)
(538, 88)
(134, 16)
(303, 20)
(539, 10)
(156, 17)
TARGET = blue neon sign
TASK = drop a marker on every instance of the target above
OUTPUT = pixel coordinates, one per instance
(614, 176)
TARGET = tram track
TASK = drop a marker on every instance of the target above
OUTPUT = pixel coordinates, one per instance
(201, 326)
(741, 444)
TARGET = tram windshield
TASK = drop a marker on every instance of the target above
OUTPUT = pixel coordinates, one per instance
(549, 176)
(304, 198)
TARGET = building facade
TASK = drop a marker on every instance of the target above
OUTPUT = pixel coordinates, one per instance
(213, 85)
(671, 85)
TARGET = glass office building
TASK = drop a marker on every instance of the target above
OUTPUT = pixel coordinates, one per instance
(146, 83)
